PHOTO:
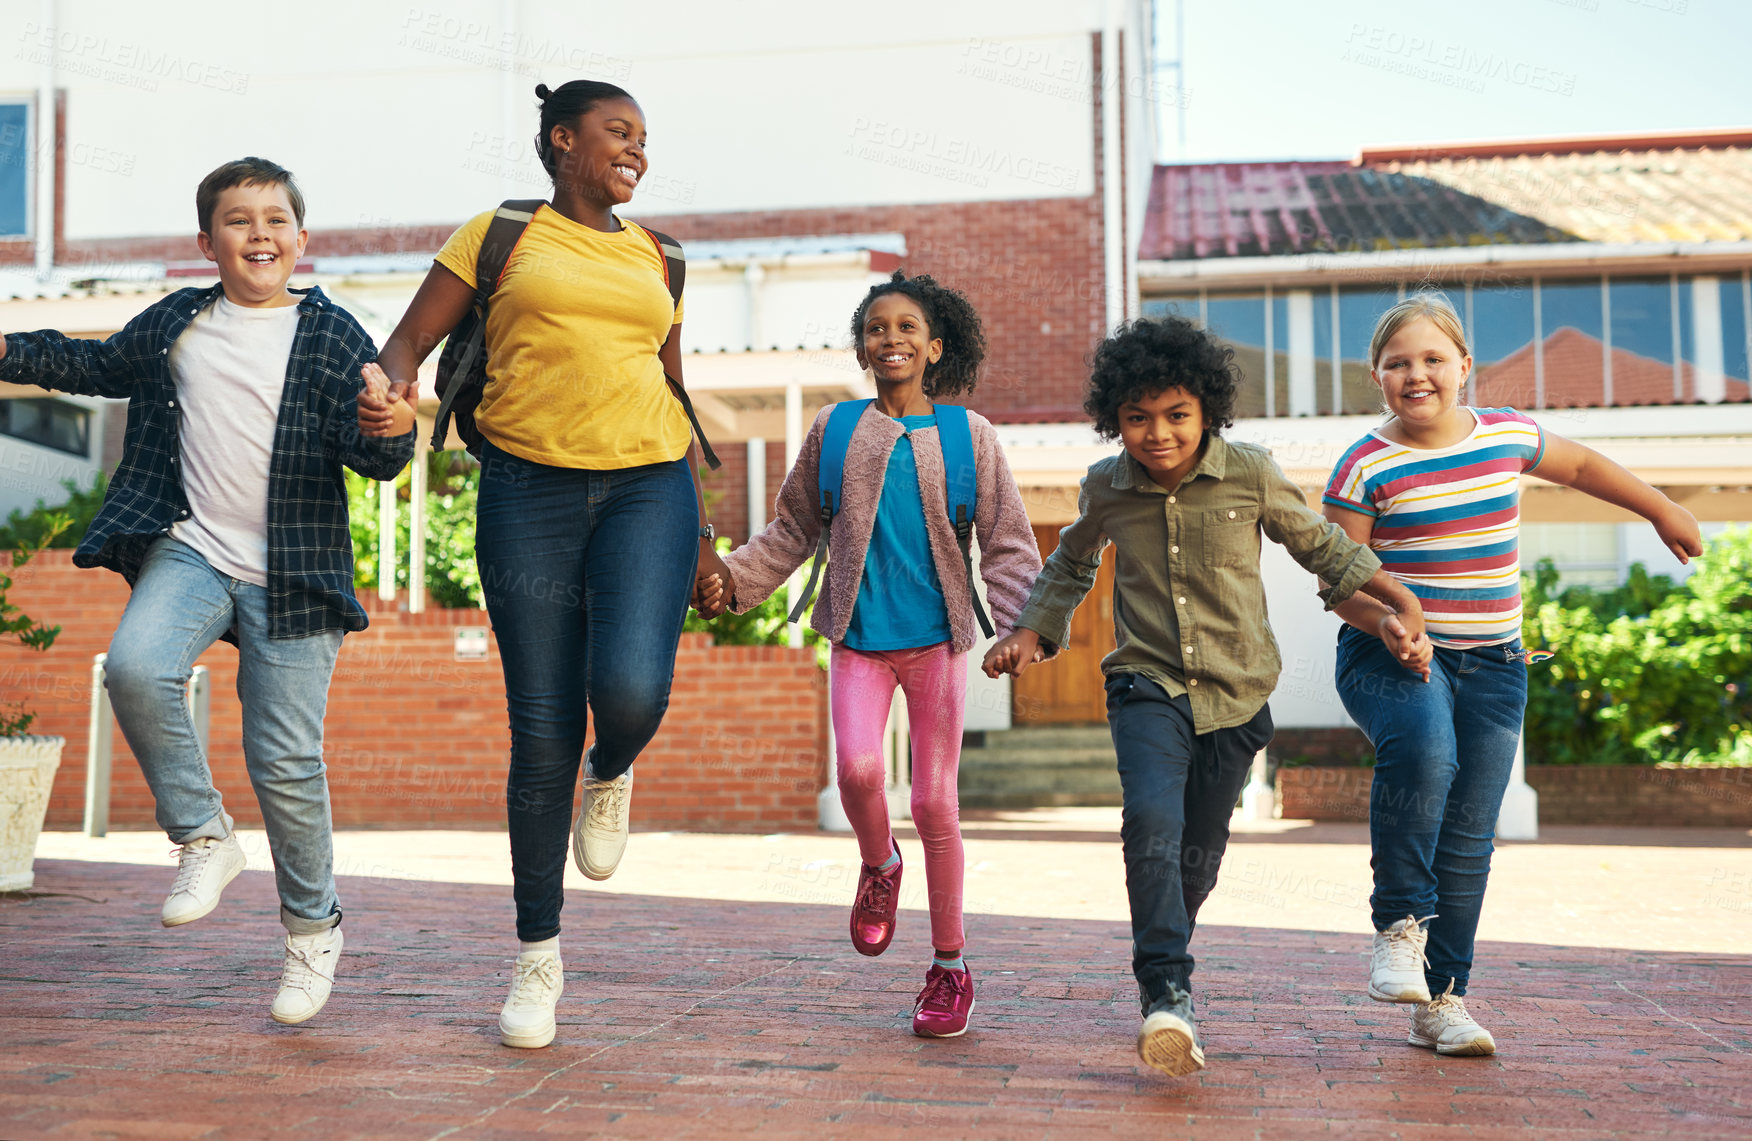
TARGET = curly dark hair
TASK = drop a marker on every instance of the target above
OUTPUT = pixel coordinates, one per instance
(1145, 357)
(950, 316)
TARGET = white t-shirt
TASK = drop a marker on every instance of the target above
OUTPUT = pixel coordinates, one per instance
(229, 367)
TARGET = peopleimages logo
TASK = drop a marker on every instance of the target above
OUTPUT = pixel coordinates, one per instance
(117, 61)
(966, 160)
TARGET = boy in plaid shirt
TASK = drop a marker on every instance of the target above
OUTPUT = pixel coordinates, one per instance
(228, 515)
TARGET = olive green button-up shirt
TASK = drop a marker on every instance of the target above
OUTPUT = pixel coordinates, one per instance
(1188, 602)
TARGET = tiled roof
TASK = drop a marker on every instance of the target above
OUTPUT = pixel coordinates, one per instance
(1695, 188)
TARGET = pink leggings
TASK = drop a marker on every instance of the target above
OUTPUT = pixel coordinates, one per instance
(934, 680)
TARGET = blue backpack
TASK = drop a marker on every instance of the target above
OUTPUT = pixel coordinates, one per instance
(958, 469)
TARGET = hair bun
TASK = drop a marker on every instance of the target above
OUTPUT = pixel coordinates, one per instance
(542, 92)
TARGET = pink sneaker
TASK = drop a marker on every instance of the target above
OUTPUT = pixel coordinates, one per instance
(873, 910)
(944, 1004)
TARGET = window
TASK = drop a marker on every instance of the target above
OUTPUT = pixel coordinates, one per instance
(1502, 345)
(1573, 329)
(1735, 349)
(1585, 554)
(51, 423)
(1184, 306)
(1359, 310)
(1642, 340)
(15, 169)
(1239, 319)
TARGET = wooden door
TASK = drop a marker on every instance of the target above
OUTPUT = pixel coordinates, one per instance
(1067, 690)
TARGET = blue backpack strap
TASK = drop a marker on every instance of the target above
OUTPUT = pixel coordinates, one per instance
(835, 439)
(962, 484)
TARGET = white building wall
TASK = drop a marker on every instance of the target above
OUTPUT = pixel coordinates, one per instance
(410, 115)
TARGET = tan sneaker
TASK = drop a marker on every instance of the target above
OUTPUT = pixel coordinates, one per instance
(1445, 1026)
(1396, 962)
(527, 1018)
(599, 835)
(308, 977)
(1168, 1039)
(204, 867)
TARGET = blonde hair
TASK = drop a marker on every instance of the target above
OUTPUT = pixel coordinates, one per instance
(1434, 306)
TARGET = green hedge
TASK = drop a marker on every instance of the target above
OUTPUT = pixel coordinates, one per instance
(1648, 673)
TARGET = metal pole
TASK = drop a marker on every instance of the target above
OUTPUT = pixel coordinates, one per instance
(1258, 800)
(417, 527)
(99, 737)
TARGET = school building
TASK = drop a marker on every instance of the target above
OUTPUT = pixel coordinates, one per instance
(1603, 280)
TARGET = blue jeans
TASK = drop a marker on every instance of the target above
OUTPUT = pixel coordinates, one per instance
(1443, 754)
(1179, 789)
(587, 575)
(181, 606)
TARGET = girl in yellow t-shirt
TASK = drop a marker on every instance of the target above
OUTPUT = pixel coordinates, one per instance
(589, 524)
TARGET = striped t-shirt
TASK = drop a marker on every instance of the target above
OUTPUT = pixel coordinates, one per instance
(1446, 521)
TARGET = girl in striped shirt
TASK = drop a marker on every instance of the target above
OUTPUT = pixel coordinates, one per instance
(1434, 492)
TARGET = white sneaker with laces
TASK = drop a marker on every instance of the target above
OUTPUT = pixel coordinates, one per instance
(204, 867)
(527, 1018)
(599, 835)
(1445, 1026)
(1396, 962)
(308, 976)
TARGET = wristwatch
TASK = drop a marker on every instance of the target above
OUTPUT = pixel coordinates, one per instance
(707, 533)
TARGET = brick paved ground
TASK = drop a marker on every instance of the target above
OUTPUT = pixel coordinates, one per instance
(695, 1018)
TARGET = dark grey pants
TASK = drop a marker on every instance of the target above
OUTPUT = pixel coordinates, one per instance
(1179, 791)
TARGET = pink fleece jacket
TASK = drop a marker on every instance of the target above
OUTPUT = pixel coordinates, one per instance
(1009, 558)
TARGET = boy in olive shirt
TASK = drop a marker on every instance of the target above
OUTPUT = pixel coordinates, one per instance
(1195, 663)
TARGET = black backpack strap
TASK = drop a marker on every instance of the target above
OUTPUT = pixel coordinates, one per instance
(506, 229)
(675, 276)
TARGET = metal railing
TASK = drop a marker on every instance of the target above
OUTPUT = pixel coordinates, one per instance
(100, 739)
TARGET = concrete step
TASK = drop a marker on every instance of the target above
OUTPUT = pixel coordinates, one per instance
(1057, 766)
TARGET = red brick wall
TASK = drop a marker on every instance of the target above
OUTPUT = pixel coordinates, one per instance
(415, 739)
(1619, 795)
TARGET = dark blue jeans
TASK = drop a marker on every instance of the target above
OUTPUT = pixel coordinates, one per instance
(1443, 754)
(1179, 790)
(587, 575)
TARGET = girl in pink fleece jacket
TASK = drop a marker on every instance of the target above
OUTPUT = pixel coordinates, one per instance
(896, 604)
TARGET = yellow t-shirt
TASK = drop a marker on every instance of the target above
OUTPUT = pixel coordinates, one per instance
(573, 330)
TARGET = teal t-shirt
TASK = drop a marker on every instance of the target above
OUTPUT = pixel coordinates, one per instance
(900, 602)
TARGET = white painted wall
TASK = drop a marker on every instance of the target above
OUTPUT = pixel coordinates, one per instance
(413, 114)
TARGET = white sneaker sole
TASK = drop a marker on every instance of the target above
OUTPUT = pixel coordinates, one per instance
(1421, 994)
(958, 1033)
(528, 1040)
(1171, 1049)
(1477, 1048)
(190, 917)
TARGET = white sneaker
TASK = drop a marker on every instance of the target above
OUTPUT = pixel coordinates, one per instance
(527, 1018)
(599, 835)
(1445, 1025)
(204, 867)
(1396, 962)
(308, 976)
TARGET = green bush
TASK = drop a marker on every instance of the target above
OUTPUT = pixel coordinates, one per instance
(1649, 673)
(79, 509)
(15, 719)
(452, 485)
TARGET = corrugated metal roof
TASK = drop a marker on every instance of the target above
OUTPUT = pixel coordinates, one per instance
(1427, 198)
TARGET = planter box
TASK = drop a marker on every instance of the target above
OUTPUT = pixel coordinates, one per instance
(27, 773)
(1633, 795)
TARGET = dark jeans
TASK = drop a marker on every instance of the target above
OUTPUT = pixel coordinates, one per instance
(587, 575)
(1443, 754)
(1179, 790)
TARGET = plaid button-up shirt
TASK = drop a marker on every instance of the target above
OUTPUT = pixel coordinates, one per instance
(1188, 600)
(310, 548)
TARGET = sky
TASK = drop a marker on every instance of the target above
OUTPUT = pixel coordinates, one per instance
(1322, 78)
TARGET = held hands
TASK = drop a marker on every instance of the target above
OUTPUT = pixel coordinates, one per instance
(1013, 654)
(1677, 528)
(1405, 639)
(385, 408)
(714, 585)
